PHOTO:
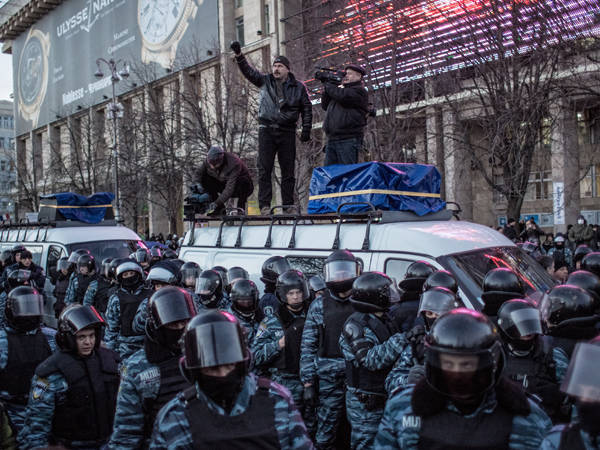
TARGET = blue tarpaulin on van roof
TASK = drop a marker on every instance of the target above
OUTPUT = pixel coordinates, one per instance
(388, 186)
(90, 209)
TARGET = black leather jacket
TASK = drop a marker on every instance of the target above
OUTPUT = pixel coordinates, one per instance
(295, 102)
(346, 108)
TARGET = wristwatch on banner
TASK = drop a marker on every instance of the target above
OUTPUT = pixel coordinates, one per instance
(162, 25)
(32, 75)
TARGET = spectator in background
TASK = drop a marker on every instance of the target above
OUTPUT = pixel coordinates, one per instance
(596, 237)
(548, 243)
(561, 254)
(510, 230)
(581, 232)
(500, 230)
(531, 232)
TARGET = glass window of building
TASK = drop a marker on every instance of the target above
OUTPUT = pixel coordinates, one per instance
(267, 19)
(239, 29)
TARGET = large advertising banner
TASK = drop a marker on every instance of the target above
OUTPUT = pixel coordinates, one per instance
(54, 62)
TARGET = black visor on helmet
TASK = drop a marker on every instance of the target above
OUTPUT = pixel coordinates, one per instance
(63, 264)
(582, 380)
(82, 317)
(205, 286)
(28, 305)
(437, 300)
(213, 344)
(336, 271)
(176, 310)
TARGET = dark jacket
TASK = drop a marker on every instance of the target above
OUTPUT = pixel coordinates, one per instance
(37, 274)
(347, 110)
(295, 101)
(230, 173)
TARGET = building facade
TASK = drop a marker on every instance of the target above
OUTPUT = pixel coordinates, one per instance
(7, 160)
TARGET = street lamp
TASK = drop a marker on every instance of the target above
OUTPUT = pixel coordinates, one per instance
(115, 111)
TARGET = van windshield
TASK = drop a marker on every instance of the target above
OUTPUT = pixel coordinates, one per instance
(106, 249)
(470, 268)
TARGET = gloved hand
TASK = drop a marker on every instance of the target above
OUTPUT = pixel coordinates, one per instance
(415, 334)
(416, 374)
(310, 396)
(305, 135)
(236, 47)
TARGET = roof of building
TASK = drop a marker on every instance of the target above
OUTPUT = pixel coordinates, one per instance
(27, 13)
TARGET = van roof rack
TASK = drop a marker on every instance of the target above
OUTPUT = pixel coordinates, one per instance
(373, 215)
(42, 227)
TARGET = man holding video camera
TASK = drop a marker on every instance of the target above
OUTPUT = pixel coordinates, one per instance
(222, 176)
(283, 99)
(346, 101)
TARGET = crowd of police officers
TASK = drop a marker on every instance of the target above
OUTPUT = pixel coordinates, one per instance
(154, 352)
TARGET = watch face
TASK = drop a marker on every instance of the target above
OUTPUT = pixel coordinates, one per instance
(31, 71)
(159, 18)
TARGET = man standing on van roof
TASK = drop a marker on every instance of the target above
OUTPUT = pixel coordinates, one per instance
(222, 176)
(282, 100)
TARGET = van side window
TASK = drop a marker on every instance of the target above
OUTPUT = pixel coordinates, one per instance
(54, 254)
(308, 265)
(396, 268)
(36, 252)
(311, 265)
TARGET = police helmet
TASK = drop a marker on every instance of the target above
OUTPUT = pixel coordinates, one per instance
(223, 272)
(591, 263)
(24, 309)
(316, 283)
(235, 274)
(215, 155)
(416, 275)
(288, 281)
(518, 318)
(272, 268)
(244, 298)
(455, 339)
(18, 277)
(341, 269)
(500, 285)
(162, 274)
(63, 264)
(169, 254)
(568, 305)
(156, 254)
(105, 267)
(585, 280)
(441, 278)
(581, 380)
(114, 264)
(129, 266)
(209, 287)
(213, 338)
(437, 300)
(7, 258)
(188, 273)
(74, 318)
(141, 256)
(88, 262)
(580, 253)
(75, 254)
(168, 306)
(371, 292)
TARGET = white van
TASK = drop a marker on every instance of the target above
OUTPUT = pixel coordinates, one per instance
(384, 241)
(47, 242)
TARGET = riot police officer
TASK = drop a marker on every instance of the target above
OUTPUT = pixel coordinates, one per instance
(322, 364)
(235, 274)
(23, 346)
(244, 306)
(156, 255)
(122, 307)
(276, 346)
(209, 289)
(16, 278)
(60, 280)
(531, 359)
(586, 280)
(370, 344)
(317, 286)
(188, 274)
(227, 407)
(405, 312)
(74, 391)
(151, 376)
(86, 273)
(569, 314)
(583, 385)
(500, 285)
(409, 367)
(591, 263)
(142, 257)
(440, 278)
(270, 271)
(580, 252)
(100, 289)
(463, 401)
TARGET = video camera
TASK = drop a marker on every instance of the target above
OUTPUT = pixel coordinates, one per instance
(196, 203)
(327, 75)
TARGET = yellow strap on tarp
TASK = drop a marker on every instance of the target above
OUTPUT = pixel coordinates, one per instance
(74, 206)
(374, 191)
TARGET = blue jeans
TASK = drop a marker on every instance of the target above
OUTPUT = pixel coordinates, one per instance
(343, 151)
